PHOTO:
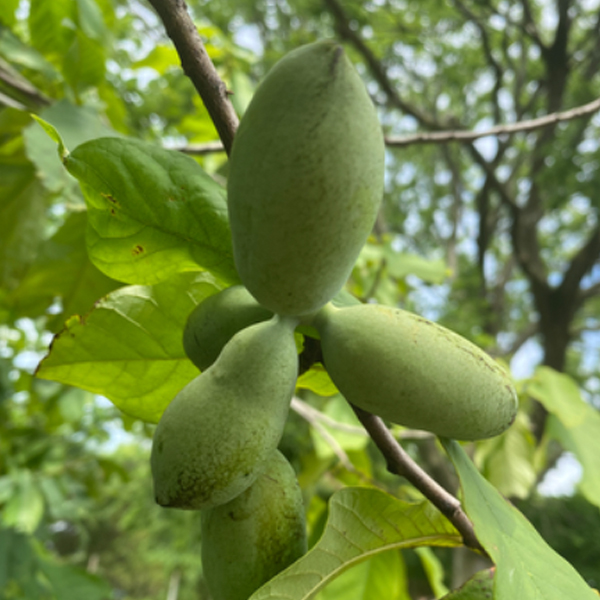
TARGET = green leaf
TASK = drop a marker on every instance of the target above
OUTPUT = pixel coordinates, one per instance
(77, 124)
(152, 212)
(525, 565)
(53, 135)
(62, 269)
(507, 460)
(89, 17)
(84, 62)
(25, 509)
(129, 347)
(73, 583)
(7, 13)
(381, 576)
(401, 264)
(22, 200)
(433, 569)
(574, 423)
(317, 380)
(50, 25)
(479, 587)
(362, 522)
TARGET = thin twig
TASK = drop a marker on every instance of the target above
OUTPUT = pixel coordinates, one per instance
(306, 410)
(400, 463)
(444, 137)
(198, 66)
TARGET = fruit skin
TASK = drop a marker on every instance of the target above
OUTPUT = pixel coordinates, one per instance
(217, 435)
(216, 320)
(414, 372)
(247, 541)
(306, 180)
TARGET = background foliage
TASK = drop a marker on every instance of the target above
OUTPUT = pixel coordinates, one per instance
(497, 239)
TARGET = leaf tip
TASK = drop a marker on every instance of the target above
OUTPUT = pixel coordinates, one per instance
(54, 135)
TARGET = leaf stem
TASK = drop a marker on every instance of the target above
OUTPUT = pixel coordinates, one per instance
(400, 463)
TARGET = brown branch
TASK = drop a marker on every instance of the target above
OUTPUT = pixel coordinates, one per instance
(198, 67)
(400, 463)
(443, 137)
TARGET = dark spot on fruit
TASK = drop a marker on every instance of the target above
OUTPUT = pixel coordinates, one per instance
(137, 250)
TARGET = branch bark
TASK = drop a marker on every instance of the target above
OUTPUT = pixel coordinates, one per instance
(400, 463)
(198, 66)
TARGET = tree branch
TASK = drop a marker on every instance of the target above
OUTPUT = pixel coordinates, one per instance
(198, 67)
(443, 137)
(400, 463)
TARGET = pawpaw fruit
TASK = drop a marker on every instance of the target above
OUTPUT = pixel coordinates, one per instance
(217, 435)
(216, 320)
(305, 180)
(414, 372)
(247, 541)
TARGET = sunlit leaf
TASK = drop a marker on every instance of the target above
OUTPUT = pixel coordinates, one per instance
(381, 576)
(362, 522)
(525, 565)
(129, 347)
(152, 212)
(574, 423)
(317, 380)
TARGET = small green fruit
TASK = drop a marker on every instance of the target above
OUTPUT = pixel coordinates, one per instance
(217, 435)
(414, 372)
(216, 320)
(305, 180)
(247, 541)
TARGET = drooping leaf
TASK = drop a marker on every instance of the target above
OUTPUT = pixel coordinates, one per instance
(574, 423)
(152, 212)
(526, 567)
(129, 347)
(362, 522)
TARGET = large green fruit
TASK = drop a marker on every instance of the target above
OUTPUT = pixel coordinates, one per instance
(216, 436)
(414, 372)
(216, 320)
(305, 180)
(249, 540)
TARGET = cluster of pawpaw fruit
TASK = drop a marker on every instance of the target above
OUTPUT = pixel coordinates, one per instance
(304, 189)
